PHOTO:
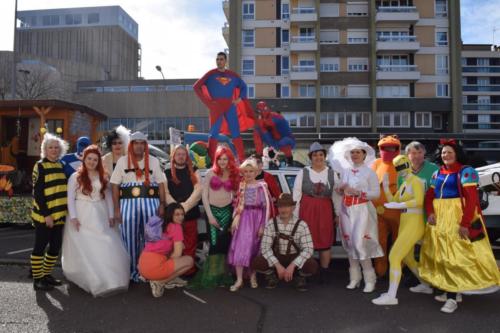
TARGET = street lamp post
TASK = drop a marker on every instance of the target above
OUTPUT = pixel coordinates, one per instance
(14, 56)
(158, 68)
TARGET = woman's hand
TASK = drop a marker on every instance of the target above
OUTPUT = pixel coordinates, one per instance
(351, 191)
(49, 221)
(431, 219)
(118, 216)
(76, 223)
(214, 223)
(336, 220)
(463, 232)
(261, 232)
(111, 222)
(234, 226)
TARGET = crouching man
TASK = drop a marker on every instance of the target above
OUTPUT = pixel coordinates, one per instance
(286, 248)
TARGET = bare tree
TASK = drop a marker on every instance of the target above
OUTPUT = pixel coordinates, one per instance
(39, 82)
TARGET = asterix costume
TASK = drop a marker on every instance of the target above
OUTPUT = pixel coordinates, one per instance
(217, 90)
(139, 197)
(410, 200)
(388, 219)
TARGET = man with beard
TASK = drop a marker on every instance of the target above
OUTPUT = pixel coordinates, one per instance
(184, 187)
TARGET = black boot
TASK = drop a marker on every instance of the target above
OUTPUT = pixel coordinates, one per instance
(300, 283)
(272, 281)
(51, 281)
(41, 284)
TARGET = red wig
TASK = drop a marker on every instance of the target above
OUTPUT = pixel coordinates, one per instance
(234, 173)
(82, 174)
(131, 159)
(189, 165)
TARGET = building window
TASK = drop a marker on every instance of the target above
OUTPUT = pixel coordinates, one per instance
(300, 119)
(50, 20)
(442, 90)
(248, 10)
(329, 36)
(329, 10)
(285, 65)
(248, 67)
(345, 119)
(357, 9)
(393, 119)
(483, 61)
(328, 64)
(250, 91)
(423, 119)
(441, 64)
(73, 19)
(53, 124)
(285, 91)
(437, 122)
(441, 8)
(357, 64)
(248, 38)
(307, 90)
(393, 91)
(357, 36)
(358, 90)
(330, 91)
(285, 11)
(285, 36)
(442, 38)
(93, 18)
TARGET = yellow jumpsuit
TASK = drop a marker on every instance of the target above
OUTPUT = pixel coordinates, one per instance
(411, 226)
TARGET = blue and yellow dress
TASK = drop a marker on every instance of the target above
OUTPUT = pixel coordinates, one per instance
(448, 262)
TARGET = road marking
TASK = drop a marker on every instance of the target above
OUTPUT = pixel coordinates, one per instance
(20, 251)
(194, 297)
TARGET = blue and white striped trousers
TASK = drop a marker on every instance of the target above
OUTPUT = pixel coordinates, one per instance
(135, 214)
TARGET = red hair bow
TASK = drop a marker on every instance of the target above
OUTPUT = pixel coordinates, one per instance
(448, 142)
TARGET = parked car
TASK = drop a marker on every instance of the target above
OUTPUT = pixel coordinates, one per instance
(489, 185)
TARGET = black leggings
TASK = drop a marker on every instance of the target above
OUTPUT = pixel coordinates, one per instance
(47, 236)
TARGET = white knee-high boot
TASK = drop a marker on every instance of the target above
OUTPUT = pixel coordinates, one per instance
(369, 275)
(354, 274)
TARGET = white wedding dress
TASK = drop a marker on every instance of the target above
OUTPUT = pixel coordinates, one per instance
(93, 257)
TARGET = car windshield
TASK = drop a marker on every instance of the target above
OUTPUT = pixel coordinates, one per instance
(157, 152)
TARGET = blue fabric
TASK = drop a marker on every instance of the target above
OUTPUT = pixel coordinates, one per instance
(222, 85)
(445, 185)
(70, 163)
(469, 176)
(82, 143)
(231, 117)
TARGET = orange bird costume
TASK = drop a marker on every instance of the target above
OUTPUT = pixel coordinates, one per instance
(388, 219)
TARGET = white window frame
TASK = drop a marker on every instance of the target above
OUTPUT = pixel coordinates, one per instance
(250, 91)
(439, 42)
(357, 64)
(285, 86)
(335, 38)
(353, 9)
(441, 13)
(247, 71)
(248, 10)
(329, 64)
(346, 119)
(423, 119)
(334, 8)
(281, 37)
(295, 119)
(247, 43)
(392, 119)
(357, 36)
(365, 88)
(310, 90)
(330, 91)
(442, 64)
(285, 71)
(285, 15)
(442, 93)
(393, 91)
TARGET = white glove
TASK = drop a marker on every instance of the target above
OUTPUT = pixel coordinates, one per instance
(385, 182)
(395, 205)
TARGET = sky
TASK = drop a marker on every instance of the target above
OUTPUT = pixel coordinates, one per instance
(183, 36)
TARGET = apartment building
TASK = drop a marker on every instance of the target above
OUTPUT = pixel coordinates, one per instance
(351, 66)
(481, 88)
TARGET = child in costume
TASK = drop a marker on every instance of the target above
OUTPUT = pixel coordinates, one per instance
(162, 261)
(410, 200)
(252, 212)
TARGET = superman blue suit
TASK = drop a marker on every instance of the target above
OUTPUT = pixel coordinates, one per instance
(217, 90)
(272, 129)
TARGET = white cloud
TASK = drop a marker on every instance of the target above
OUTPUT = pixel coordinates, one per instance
(182, 36)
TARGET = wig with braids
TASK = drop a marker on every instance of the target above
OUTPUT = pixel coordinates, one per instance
(234, 173)
(133, 161)
(189, 165)
(82, 174)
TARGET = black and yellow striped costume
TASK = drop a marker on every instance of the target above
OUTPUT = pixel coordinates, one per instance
(49, 199)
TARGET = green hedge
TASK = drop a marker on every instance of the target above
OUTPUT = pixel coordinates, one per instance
(15, 209)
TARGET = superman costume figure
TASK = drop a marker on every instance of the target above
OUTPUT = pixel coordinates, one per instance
(225, 95)
(274, 130)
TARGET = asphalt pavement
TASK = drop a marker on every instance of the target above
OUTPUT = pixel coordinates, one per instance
(324, 308)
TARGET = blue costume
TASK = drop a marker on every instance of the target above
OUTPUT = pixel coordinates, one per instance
(71, 162)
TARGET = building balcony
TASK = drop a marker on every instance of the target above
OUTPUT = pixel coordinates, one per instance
(301, 73)
(476, 88)
(225, 32)
(397, 43)
(481, 70)
(303, 43)
(481, 107)
(225, 8)
(397, 14)
(304, 14)
(398, 72)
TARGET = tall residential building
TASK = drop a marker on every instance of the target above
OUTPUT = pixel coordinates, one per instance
(351, 66)
(91, 43)
(481, 88)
